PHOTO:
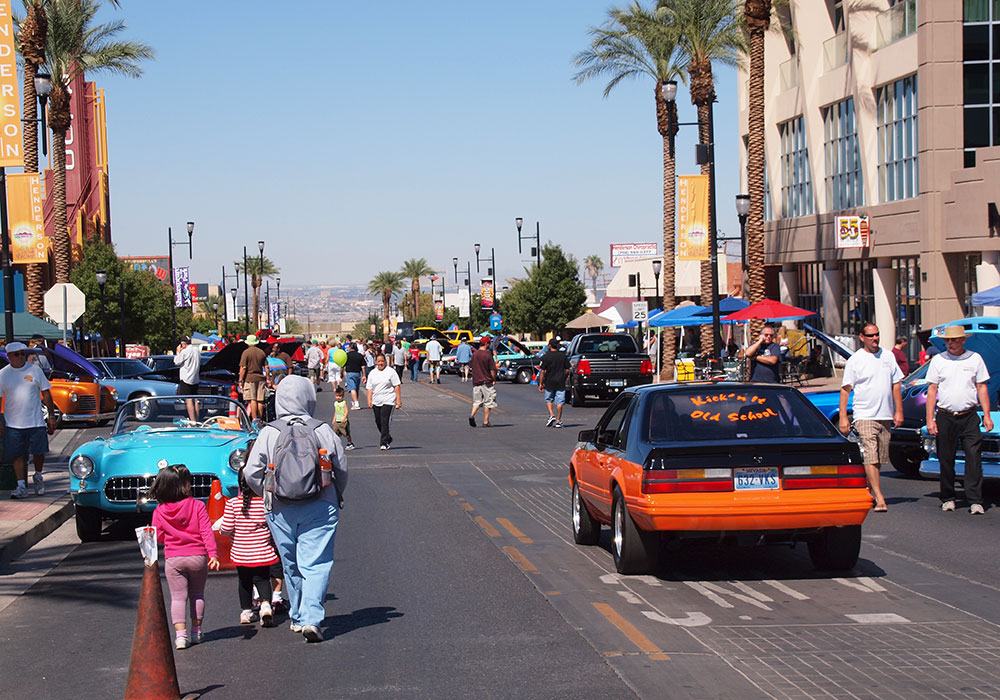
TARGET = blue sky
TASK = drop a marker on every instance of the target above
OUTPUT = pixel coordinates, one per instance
(350, 136)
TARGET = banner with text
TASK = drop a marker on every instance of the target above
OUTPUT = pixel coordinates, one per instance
(486, 293)
(438, 310)
(852, 231)
(24, 214)
(10, 108)
(273, 320)
(182, 288)
(624, 252)
(230, 309)
(692, 217)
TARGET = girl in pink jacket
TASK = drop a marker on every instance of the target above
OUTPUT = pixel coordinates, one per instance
(182, 525)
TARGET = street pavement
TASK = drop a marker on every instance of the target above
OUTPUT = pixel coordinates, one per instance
(456, 576)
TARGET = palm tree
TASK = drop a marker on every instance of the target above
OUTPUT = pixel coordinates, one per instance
(710, 31)
(594, 265)
(75, 46)
(257, 274)
(385, 284)
(414, 269)
(635, 43)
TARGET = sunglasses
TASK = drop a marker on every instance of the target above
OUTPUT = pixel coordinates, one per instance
(871, 335)
(16, 353)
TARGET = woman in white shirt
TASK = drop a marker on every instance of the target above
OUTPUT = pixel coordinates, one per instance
(383, 395)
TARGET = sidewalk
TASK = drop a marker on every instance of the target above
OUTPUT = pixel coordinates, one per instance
(25, 522)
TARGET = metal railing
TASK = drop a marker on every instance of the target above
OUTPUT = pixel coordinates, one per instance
(835, 52)
(897, 22)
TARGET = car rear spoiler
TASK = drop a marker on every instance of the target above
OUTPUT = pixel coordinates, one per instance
(834, 345)
(757, 453)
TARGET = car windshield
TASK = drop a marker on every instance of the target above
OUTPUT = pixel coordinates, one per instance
(607, 344)
(175, 412)
(728, 413)
(123, 368)
(428, 333)
(917, 377)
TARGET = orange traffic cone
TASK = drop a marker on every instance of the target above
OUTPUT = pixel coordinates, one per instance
(234, 395)
(216, 509)
(152, 674)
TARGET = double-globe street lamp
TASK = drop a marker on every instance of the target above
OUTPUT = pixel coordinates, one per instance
(173, 283)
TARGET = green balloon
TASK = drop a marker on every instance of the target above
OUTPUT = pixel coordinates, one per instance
(339, 357)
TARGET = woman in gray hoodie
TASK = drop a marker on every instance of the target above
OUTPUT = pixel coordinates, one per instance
(303, 531)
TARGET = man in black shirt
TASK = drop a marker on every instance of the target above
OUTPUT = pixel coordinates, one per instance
(553, 373)
(354, 374)
(766, 355)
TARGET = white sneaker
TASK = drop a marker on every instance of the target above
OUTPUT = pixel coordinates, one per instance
(294, 627)
(948, 506)
(20, 492)
(550, 421)
(312, 633)
(976, 509)
(181, 643)
(383, 447)
(39, 483)
(266, 616)
(355, 406)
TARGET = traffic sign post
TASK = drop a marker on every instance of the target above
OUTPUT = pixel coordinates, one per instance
(65, 303)
(640, 311)
(496, 322)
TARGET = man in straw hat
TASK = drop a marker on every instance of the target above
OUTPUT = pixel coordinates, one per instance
(957, 384)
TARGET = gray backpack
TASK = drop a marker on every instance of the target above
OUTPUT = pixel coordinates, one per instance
(297, 475)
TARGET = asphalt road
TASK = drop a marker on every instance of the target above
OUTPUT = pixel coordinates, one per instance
(456, 576)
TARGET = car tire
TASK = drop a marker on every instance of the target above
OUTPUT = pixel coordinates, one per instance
(586, 530)
(45, 415)
(635, 551)
(836, 548)
(906, 460)
(576, 398)
(144, 410)
(523, 376)
(88, 524)
(102, 423)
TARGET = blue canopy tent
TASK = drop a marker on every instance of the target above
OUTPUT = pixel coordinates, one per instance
(680, 316)
(987, 297)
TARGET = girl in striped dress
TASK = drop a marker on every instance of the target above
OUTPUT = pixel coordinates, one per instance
(252, 552)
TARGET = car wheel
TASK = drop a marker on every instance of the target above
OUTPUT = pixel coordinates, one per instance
(143, 410)
(907, 460)
(634, 551)
(88, 524)
(523, 376)
(836, 548)
(45, 415)
(576, 398)
(586, 530)
(102, 423)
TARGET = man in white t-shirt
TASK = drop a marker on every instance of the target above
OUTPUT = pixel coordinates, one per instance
(874, 376)
(188, 358)
(957, 388)
(314, 363)
(23, 387)
(434, 349)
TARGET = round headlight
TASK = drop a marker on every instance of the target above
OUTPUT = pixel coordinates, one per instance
(81, 466)
(930, 444)
(237, 458)
(114, 392)
(72, 396)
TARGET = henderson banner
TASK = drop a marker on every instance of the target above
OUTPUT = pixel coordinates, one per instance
(692, 217)
(438, 310)
(10, 109)
(486, 293)
(24, 212)
(182, 288)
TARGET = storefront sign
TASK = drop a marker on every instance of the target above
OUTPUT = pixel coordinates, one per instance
(623, 252)
(692, 217)
(24, 213)
(852, 232)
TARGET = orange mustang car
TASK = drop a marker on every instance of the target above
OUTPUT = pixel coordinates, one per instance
(737, 461)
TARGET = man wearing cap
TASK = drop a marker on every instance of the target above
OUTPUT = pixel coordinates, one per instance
(188, 359)
(957, 383)
(24, 387)
(484, 382)
(552, 376)
(252, 376)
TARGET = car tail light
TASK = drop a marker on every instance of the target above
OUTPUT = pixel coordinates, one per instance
(583, 367)
(686, 480)
(825, 477)
(647, 367)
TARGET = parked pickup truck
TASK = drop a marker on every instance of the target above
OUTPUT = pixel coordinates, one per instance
(603, 365)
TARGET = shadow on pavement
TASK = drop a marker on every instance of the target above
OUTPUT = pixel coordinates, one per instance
(365, 617)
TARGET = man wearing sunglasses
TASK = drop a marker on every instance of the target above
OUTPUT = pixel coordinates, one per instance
(23, 387)
(766, 355)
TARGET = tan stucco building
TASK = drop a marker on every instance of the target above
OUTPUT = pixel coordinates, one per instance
(889, 108)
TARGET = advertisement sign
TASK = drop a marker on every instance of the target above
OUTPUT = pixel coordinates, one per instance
(852, 232)
(623, 252)
(10, 108)
(438, 310)
(272, 319)
(692, 217)
(486, 293)
(496, 322)
(24, 214)
(463, 305)
(159, 266)
(230, 309)
(133, 351)
(182, 288)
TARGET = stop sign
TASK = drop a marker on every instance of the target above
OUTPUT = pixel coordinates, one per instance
(65, 302)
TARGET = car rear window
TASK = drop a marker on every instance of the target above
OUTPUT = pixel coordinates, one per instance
(608, 344)
(728, 414)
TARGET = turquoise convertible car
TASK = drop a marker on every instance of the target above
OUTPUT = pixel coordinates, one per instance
(110, 477)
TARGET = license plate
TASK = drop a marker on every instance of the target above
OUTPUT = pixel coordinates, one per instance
(756, 478)
(616, 382)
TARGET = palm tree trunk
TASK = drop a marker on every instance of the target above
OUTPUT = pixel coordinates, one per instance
(386, 297)
(707, 340)
(666, 118)
(415, 292)
(757, 15)
(60, 234)
(33, 271)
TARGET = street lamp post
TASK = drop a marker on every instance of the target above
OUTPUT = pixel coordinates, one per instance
(260, 280)
(267, 302)
(277, 281)
(102, 279)
(454, 261)
(225, 304)
(743, 212)
(657, 267)
(537, 252)
(246, 291)
(43, 88)
(476, 246)
(121, 310)
(215, 310)
(173, 283)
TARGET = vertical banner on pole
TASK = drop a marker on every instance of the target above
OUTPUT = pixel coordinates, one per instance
(463, 305)
(486, 293)
(230, 309)
(24, 213)
(438, 310)
(273, 320)
(692, 217)
(10, 107)
(182, 288)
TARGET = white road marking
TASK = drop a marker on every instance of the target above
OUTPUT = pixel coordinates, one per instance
(725, 591)
(718, 600)
(630, 597)
(745, 617)
(787, 590)
(872, 584)
(878, 618)
(692, 619)
(874, 588)
(751, 592)
(613, 579)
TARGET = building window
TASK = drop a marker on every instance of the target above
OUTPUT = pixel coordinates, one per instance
(858, 305)
(796, 180)
(811, 289)
(844, 184)
(768, 209)
(907, 303)
(970, 281)
(897, 140)
(981, 76)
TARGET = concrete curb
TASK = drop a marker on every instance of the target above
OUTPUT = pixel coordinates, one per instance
(33, 531)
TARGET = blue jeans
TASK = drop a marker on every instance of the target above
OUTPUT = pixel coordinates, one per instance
(415, 371)
(303, 534)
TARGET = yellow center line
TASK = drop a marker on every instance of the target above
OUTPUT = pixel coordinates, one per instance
(509, 527)
(487, 526)
(452, 492)
(463, 397)
(630, 631)
(520, 560)
(467, 507)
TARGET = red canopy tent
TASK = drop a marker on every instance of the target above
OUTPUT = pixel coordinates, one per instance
(769, 310)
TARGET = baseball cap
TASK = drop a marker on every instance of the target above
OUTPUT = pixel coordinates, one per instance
(485, 340)
(554, 343)
(16, 347)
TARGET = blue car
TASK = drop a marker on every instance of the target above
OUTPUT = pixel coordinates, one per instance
(110, 477)
(132, 379)
(930, 468)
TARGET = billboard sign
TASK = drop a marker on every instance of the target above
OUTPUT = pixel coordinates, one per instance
(623, 252)
(852, 232)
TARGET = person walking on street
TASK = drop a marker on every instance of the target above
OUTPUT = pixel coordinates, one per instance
(434, 350)
(956, 380)
(303, 529)
(484, 382)
(552, 376)
(413, 360)
(398, 358)
(899, 352)
(354, 374)
(253, 363)
(188, 358)
(383, 395)
(314, 363)
(24, 389)
(334, 372)
(463, 356)
(341, 418)
(874, 376)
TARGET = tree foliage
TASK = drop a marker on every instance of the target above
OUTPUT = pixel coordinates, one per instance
(550, 297)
